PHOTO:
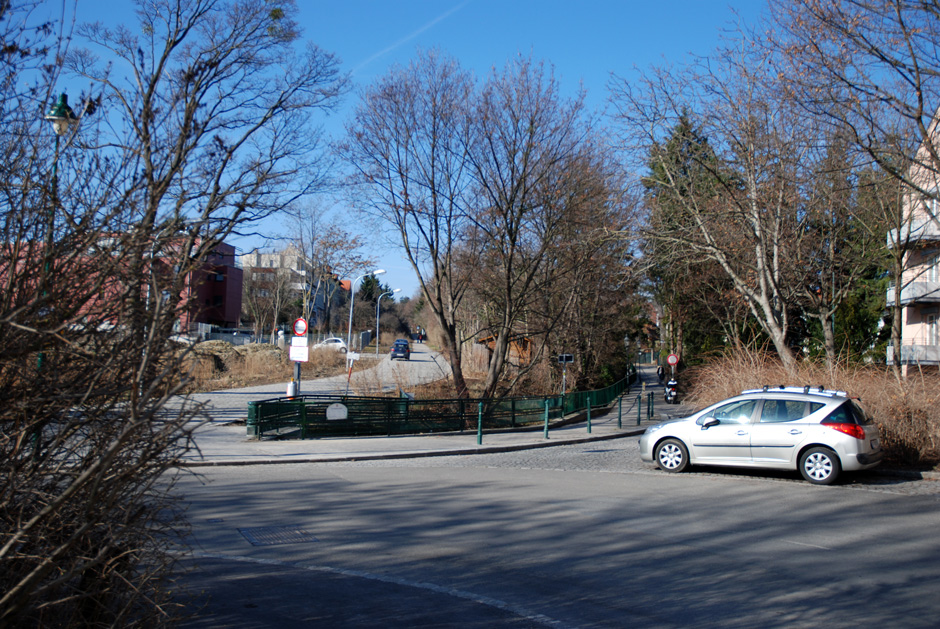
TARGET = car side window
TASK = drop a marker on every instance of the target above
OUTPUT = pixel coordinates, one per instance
(739, 412)
(776, 411)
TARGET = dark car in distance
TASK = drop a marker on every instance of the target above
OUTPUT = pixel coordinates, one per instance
(400, 349)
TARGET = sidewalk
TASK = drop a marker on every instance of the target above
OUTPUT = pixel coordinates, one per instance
(224, 441)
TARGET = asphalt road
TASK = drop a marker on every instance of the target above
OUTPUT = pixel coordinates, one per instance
(569, 536)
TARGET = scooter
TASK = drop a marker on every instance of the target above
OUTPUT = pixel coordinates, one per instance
(670, 393)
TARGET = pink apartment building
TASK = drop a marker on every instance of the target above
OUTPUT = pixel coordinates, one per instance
(920, 282)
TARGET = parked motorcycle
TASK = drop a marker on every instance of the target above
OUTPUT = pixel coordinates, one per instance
(671, 393)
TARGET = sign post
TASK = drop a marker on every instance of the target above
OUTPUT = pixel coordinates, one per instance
(299, 353)
(564, 359)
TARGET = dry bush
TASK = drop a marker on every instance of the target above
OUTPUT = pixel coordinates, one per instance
(537, 381)
(215, 365)
(438, 390)
(909, 415)
(907, 411)
(365, 382)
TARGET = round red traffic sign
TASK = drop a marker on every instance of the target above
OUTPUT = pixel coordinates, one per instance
(300, 327)
(672, 360)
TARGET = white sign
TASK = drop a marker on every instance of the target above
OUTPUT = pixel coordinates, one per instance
(298, 341)
(672, 360)
(352, 355)
(299, 354)
(300, 327)
(336, 411)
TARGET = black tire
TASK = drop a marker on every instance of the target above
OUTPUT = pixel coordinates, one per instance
(820, 466)
(342, 349)
(672, 456)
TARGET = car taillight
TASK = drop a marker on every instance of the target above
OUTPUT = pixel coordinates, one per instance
(852, 430)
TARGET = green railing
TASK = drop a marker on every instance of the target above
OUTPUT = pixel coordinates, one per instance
(313, 416)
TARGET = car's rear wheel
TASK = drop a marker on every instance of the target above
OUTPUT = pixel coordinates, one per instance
(672, 456)
(820, 466)
(342, 349)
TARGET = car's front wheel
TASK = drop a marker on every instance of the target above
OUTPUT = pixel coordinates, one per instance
(672, 456)
(820, 466)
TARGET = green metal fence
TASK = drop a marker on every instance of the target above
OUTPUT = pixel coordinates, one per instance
(313, 416)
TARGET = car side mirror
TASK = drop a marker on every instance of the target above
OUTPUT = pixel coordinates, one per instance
(708, 422)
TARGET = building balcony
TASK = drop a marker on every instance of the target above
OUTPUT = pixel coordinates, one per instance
(916, 354)
(916, 293)
(925, 231)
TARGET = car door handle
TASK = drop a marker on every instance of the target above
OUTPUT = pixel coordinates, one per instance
(741, 433)
(794, 431)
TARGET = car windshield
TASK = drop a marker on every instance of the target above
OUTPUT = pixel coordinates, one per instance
(735, 413)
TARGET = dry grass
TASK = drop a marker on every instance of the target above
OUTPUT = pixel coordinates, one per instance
(216, 365)
(907, 411)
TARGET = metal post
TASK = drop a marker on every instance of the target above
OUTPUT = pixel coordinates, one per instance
(480, 423)
(589, 413)
(639, 406)
(47, 248)
(649, 406)
(619, 412)
(546, 418)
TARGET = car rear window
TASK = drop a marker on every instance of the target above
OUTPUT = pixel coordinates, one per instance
(849, 413)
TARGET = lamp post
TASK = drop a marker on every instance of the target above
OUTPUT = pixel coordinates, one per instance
(62, 118)
(377, 302)
(352, 299)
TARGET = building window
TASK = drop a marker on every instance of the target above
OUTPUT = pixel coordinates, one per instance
(932, 271)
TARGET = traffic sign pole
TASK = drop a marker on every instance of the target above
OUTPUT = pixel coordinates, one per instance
(300, 330)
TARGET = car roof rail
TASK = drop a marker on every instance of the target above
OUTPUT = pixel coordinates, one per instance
(813, 390)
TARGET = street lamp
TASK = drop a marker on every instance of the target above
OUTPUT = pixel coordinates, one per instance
(62, 118)
(352, 298)
(377, 302)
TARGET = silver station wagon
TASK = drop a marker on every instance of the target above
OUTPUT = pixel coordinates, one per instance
(816, 431)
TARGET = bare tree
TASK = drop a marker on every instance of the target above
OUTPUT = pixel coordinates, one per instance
(330, 252)
(407, 144)
(746, 215)
(102, 229)
(267, 294)
(544, 201)
(871, 70)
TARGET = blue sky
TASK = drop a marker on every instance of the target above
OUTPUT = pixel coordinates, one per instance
(585, 42)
